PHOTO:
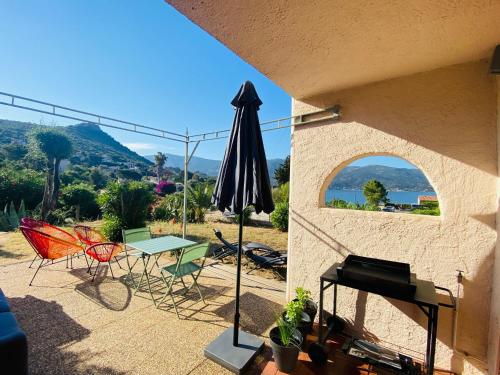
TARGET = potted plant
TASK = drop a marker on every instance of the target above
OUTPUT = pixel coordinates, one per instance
(308, 305)
(294, 314)
(285, 343)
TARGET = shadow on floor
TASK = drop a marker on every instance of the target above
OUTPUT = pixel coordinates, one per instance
(257, 314)
(49, 329)
(112, 294)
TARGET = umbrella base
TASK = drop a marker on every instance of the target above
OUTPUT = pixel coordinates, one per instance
(234, 358)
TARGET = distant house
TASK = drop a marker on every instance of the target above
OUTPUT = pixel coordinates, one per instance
(426, 198)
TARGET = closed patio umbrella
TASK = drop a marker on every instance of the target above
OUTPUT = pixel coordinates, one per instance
(243, 181)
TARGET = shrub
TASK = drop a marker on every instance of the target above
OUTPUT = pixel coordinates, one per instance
(279, 217)
(199, 201)
(247, 212)
(281, 193)
(82, 199)
(127, 204)
(164, 211)
(24, 184)
(165, 187)
(174, 203)
(112, 228)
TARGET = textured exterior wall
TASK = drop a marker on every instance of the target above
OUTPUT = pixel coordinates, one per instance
(444, 122)
(494, 341)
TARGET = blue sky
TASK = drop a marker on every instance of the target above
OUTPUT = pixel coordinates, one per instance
(139, 61)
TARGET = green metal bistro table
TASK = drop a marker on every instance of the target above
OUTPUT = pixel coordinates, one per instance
(154, 248)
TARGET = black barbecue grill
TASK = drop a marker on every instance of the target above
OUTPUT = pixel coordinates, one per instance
(392, 279)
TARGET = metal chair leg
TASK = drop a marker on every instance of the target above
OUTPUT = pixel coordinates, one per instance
(95, 272)
(119, 265)
(198, 288)
(38, 269)
(111, 269)
(90, 265)
(33, 261)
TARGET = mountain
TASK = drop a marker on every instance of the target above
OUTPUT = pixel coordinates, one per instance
(209, 167)
(91, 145)
(394, 179)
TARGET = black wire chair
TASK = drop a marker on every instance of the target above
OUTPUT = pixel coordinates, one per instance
(262, 256)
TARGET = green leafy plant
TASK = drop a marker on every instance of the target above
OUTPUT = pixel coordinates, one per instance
(293, 312)
(281, 193)
(199, 197)
(82, 199)
(112, 228)
(21, 184)
(126, 203)
(10, 218)
(247, 213)
(279, 217)
(303, 295)
(286, 331)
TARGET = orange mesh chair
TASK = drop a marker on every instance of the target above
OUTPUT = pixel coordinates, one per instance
(50, 230)
(103, 253)
(88, 235)
(48, 246)
(31, 223)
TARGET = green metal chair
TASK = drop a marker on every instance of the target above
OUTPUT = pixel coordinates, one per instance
(129, 236)
(185, 266)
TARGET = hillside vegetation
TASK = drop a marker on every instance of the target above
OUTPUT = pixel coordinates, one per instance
(394, 179)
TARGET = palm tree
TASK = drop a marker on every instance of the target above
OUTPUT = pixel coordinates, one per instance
(199, 198)
(160, 160)
(55, 146)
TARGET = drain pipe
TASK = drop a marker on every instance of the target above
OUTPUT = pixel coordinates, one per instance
(460, 352)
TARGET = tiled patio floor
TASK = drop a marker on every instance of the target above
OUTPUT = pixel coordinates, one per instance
(75, 326)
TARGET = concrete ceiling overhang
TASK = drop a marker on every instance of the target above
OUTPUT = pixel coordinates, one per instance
(313, 47)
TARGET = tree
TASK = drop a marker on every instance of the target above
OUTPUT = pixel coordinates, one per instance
(83, 199)
(54, 146)
(97, 178)
(160, 160)
(282, 173)
(375, 192)
(14, 151)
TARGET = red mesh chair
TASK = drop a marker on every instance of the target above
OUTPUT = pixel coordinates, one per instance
(50, 247)
(103, 253)
(89, 237)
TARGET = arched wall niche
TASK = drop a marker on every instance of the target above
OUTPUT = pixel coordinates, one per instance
(409, 188)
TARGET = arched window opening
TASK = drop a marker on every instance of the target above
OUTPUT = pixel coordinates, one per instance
(382, 183)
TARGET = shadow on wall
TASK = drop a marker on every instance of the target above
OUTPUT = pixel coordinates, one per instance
(471, 335)
(49, 329)
(460, 95)
(320, 234)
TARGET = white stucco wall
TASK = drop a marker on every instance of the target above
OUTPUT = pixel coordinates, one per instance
(444, 122)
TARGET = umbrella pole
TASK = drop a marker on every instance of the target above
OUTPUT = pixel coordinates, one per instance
(238, 277)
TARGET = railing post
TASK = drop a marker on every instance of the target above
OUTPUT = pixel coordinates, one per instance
(186, 163)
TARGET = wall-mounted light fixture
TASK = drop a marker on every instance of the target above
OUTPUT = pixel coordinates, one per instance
(495, 61)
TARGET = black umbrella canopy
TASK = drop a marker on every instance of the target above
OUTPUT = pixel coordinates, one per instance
(243, 177)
